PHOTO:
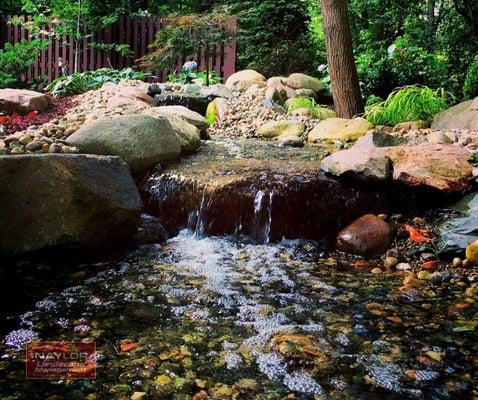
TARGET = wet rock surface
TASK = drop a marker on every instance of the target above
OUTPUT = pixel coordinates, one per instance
(256, 189)
(459, 231)
(368, 236)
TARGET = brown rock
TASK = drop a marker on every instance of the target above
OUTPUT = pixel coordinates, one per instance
(438, 166)
(22, 101)
(367, 236)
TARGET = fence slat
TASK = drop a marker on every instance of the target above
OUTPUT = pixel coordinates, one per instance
(136, 32)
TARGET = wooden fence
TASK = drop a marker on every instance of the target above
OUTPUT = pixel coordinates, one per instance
(136, 32)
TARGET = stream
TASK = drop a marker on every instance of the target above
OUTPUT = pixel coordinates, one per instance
(248, 321)
(240, 316)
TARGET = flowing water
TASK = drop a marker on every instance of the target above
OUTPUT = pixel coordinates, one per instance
(247, 321)
(244, 315)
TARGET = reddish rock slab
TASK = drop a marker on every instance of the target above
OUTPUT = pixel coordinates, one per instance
(22, 101)
(367, 236)
(437, 166)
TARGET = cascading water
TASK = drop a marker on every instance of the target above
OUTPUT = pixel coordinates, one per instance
(224, 190)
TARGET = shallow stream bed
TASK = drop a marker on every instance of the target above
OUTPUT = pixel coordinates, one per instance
(238, 320)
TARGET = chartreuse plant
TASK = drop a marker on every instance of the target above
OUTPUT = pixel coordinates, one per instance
(90, 80)
(303, 102)
(409, 103)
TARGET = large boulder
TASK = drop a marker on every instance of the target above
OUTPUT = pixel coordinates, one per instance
(67, 201)
(302, 81)
(141, 141)
(437, 166)
(333, 129)
(365, 163)
(188, 135)
(194, 118)
(273, 129)
(368, 236)
(461, 116)
(457, 233)
(217, 91)
(243, 80)
(22, 101)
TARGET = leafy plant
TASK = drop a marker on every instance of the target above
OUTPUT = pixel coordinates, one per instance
(16, 59)
(470, 88)
(185, 36)
(214, 78)
(409, 103)
(90, 80)
(303, 102)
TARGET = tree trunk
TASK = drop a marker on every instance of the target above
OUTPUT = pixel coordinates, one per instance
(431, 15)
(343, 71)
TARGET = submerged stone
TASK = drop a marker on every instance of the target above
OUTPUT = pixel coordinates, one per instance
(368, 236)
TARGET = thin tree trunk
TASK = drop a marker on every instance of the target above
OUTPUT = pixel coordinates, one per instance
(343, 71)
(431, 15)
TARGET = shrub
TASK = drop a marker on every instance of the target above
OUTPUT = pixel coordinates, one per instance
(16, 59)
(470, 88)
(90, 80)
(409, 103)
(185, 36)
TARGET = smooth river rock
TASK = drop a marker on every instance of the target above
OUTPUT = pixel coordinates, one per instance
(333, 129)
(141, 141)
(243, 80)
(181, 112)
(368, 236)
(80, 202)
(273, 129)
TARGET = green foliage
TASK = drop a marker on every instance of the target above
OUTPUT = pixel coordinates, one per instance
(185, 36)
(274, 36)
(303, 102)
(122, 49)
(211, 117)
(409, 103)
(16, 60)
(470, 88)
(82, 82)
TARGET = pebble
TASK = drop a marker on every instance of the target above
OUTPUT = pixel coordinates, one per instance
(390, 262)
(403, 267)
(436, 278)
(424, 276)
(457, 262)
